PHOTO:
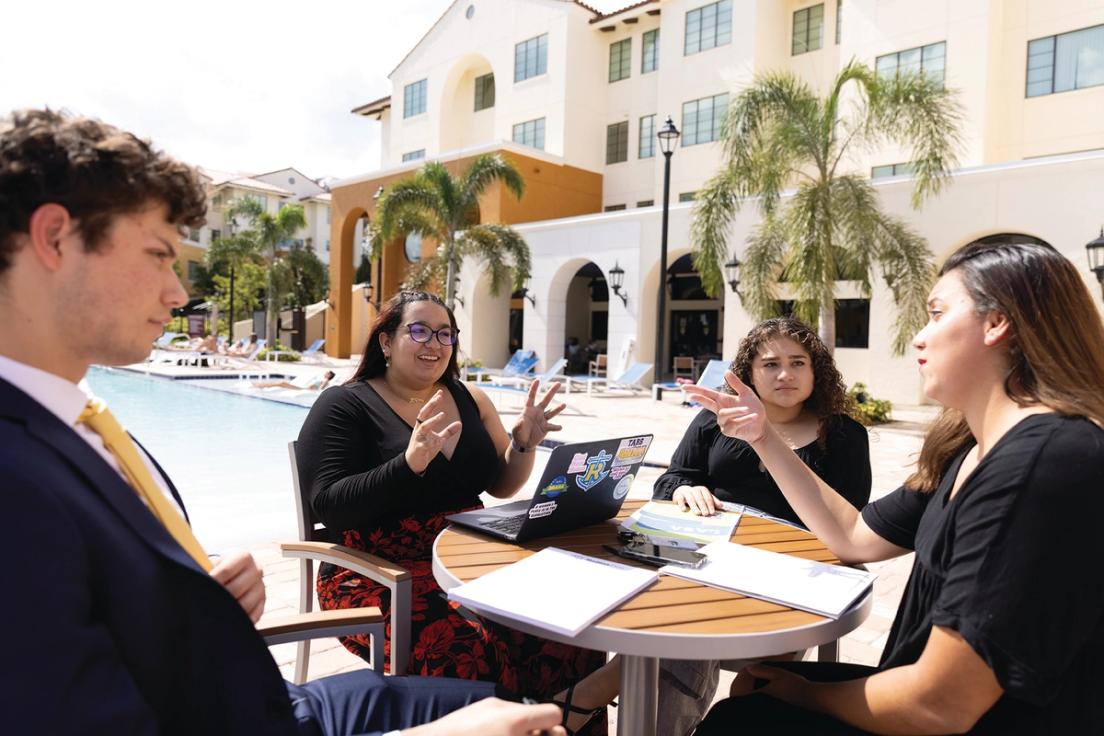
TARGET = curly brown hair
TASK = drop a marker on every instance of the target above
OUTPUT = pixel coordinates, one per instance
(94, 170)
(829, 398)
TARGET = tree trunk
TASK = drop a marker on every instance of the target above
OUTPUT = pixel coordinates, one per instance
(826, 324)
(450, 276)
(272, 317)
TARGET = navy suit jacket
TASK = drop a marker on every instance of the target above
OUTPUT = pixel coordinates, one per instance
(107, 625)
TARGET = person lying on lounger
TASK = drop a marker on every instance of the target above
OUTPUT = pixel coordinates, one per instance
(316, 383)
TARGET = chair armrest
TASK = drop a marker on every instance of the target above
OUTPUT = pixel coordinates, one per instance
(375, 568)
(319, 625)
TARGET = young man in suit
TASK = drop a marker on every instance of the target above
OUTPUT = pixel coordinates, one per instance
(114, 619)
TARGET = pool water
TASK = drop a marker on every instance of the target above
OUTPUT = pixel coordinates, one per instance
(226, 454)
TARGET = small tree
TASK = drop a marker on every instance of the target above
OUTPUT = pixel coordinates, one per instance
(435, 204)
(302, 276)
(226, 257)
(779, 133)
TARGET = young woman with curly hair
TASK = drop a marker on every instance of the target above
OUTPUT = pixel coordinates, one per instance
(802, 392)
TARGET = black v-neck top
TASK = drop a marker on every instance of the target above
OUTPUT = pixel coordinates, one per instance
(351, 452)
(1014, 564)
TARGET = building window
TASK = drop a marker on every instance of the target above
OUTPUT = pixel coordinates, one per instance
(193, 271)
(852, 323)
(530, 133)
(646, 144)
(649, 51)
(215, 234)
(262, 200)
(708, 27)
(414, 99)
(484, 92)
(327, 209)
(879, 172)
(839, 21)
(617, 142)
(702, 119)
(620, 60)
(193, 234)
(1065, 62)
(646, 203)
(930, 60)
(687, 196)
(413, 155)
(531, 58)
(327, 245)
(614, 207)
(808, 29)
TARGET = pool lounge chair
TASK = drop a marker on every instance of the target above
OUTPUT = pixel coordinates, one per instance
(523, 380)
(629, 380)
(312, 545)
(711, 377)
(520, 363)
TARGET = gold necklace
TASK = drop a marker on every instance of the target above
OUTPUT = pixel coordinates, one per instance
(407, 399)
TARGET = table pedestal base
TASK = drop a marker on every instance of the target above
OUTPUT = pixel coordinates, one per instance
(639, 699)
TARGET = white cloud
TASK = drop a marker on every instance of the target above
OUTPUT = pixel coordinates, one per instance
(236, 85)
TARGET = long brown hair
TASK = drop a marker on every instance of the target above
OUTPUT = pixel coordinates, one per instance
(374, 363)
(829, 397)
(1056, 354)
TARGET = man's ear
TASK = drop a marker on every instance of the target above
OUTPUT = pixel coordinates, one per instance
(48, 226)
(998, 328)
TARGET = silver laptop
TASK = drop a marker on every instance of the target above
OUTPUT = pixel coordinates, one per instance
(582, 484)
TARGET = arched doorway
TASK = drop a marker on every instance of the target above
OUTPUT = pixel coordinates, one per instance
(695, 324)
(468, 104)
(586, 317)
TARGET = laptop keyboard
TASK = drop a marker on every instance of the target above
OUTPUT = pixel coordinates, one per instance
(507, 525)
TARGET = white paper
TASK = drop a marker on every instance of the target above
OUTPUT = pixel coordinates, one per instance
(666, 523)
(556, 589)
(828, 590)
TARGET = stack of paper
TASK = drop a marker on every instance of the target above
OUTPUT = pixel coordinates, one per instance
(827, 590)
(666, 523)
(558, 590)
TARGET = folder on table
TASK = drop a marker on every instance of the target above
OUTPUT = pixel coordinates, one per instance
(555, 589)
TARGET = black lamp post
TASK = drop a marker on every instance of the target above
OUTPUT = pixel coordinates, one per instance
(230, 227)
(732, 274)
(617, 278)
(1095, 250)
(668, 136)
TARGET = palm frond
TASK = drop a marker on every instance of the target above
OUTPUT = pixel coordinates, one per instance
(427, 274)
(408, 195)
(714, 209)
(502, 249)
(762, 266)
(436, 177)
(487, 169)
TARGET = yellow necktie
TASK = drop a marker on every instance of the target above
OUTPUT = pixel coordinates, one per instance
(119, 444)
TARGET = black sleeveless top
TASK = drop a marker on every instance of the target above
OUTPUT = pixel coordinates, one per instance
(351, 453)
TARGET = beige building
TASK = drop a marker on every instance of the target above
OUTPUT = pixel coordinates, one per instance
(575, 98)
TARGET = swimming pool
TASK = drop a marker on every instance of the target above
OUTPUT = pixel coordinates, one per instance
(227, 454)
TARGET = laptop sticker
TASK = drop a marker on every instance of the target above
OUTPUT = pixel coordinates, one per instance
(595, 470)
(578, 463)
(630, 451)
(617, 473)
(557, 486)
(622, 488)
(539, 510)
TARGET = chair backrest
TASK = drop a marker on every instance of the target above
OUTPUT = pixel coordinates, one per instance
(601, 359)
(633, 375)
(515, 360)
(257, 349)
(523, 366)
(683, 362)
(556, 368)
(315, 346)
(310, 528)
(713, 375)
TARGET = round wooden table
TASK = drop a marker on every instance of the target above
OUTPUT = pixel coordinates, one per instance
(671, 619)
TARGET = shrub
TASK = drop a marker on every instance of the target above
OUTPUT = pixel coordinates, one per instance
(869, 410)
(285, 355)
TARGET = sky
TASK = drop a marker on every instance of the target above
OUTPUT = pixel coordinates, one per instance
(237, 85)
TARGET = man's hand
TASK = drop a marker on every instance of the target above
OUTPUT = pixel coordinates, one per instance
(494, 717)
(240, 574)
(698, 499)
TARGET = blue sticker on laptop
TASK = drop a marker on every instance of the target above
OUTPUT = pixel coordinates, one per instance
(557, 486)
(595, 471)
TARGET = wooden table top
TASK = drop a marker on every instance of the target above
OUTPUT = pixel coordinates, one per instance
(670, 605)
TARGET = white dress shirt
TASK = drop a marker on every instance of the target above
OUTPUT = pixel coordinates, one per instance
(66, 401)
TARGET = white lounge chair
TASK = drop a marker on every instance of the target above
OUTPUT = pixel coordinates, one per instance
(629, 380)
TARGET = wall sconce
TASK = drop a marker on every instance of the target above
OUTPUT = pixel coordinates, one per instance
(330, 302)
(617, 278)
(456, 292)
(526, 295)
(732, 275)
(1095, 250)
(378, 194)
(368, 292)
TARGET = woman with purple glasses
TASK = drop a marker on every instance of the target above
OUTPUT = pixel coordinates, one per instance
(388, 456)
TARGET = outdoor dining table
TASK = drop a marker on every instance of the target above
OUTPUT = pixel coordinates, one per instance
(671, 619)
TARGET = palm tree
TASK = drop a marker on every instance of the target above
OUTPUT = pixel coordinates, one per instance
(268, 231)
(778, 133)
(231, 252)
(435, 204)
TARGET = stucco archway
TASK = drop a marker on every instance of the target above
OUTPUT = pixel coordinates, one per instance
(461, 125)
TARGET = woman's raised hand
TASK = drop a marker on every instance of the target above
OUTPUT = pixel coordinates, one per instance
(429, 434)
(739, 415)
(533, 425)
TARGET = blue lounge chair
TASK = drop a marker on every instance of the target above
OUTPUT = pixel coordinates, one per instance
(629, 380)
(522, 381)
(520, 364)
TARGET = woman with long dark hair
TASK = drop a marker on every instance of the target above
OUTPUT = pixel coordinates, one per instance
(1001, 626)
(395, 450)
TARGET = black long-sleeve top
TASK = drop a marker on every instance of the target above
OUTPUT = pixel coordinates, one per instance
(351, 451)
(730, 468)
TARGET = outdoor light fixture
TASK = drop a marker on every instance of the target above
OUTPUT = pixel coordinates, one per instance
(378, 194)
(526, 295)
(368, 292)
(668, 136)
(617, 278)
(732, 273)
(456, 291)
(1095, 250)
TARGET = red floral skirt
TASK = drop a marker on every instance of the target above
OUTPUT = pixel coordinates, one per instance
(447, 640)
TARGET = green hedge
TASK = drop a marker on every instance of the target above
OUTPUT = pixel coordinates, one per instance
(868, 409)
